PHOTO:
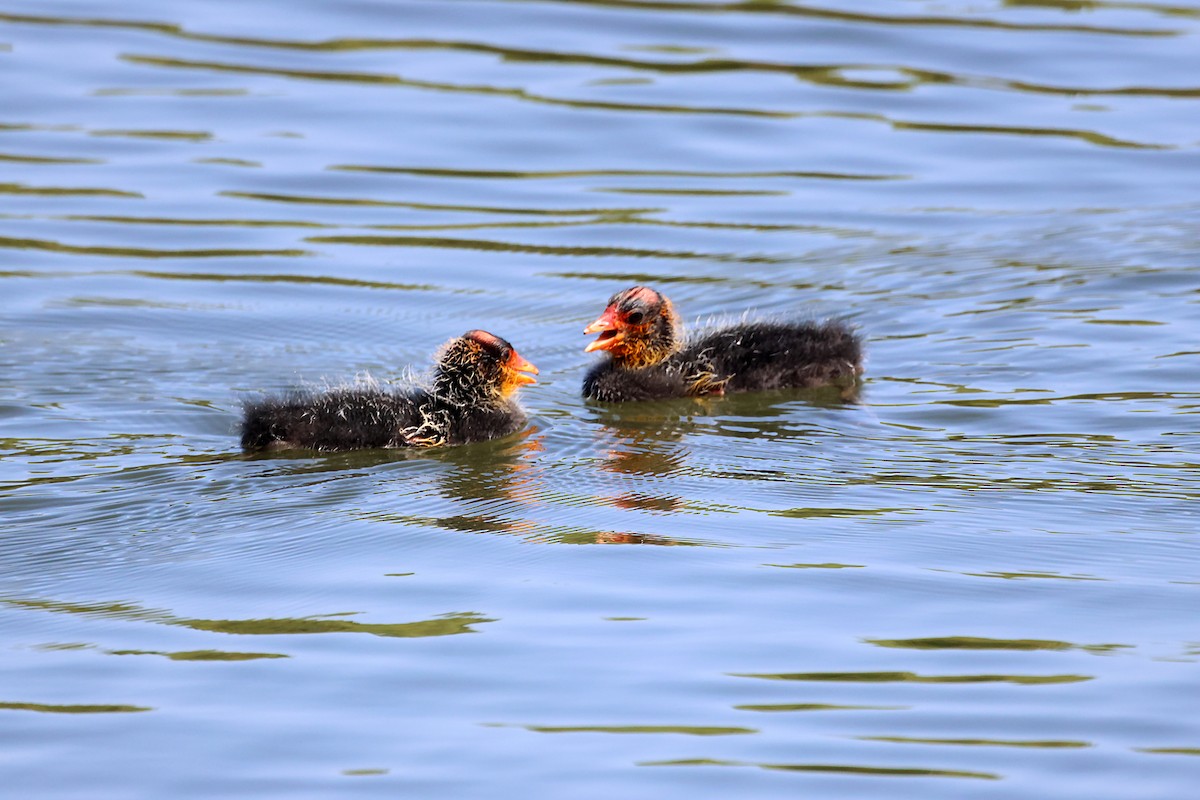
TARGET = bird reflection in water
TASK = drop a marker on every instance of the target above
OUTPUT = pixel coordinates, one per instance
(496, 480)
(647, 445)
(641, 448)
(618, 537)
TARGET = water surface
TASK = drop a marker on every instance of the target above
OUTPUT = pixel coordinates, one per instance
(979, 580)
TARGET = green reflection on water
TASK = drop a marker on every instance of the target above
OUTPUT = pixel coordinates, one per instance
(833, 513)
(146, 92)
(231, 223)
(372, 203)
(199, 655)
(850, 769)
(1172, 751)
(506, 174)
(696, 192)
(60, 191)
(74, 709)
(138, 252)
(1166, 9)
(615, 278)
(228, 162)
(827, 565)
(623, 218)
(185, 136)
(24, 159)
(771, 7)
(445, 625)
(787, 707)
(1047, 743)
(383, 79)
(736, 6)
(1091, 137)
(317, 280)
(912, 677)
(496, 224)
(819, 74)
(536, 249)
(1020, 576)
(972, 643)
(846, 769)
(689, 730)
(65, 646)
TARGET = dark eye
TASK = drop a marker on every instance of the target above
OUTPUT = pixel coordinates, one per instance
(634, 317)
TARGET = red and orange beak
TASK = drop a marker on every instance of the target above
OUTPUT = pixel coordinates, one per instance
(609, 329)
(520, 366)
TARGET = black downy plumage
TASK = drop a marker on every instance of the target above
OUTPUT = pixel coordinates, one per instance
(471, 399)
(648, 357)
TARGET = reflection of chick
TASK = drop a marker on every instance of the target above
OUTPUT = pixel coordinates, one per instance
(493, 475)
(618, 537)
(649, 359)
(647, 502)
(473, 398)
(634, 458)
(643, 444)
(644, 449)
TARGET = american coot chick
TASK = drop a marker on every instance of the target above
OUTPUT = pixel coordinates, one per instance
(648, 357)
(472, 398)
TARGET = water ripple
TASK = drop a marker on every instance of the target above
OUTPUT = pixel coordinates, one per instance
(61, 191)
(140, 252)
(865, 595)
(495, 174)
(385, 79)
(723, 8)
(538, 249)
(446, 625)
(912, 677)
(837, 769)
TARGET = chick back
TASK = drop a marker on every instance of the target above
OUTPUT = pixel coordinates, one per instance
(778, 355)
(341, 419)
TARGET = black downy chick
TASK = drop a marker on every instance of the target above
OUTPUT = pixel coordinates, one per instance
(648, 357)
(472, 398)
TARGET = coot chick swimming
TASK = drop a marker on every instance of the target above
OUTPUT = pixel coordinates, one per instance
(649, 358)
(471, 398)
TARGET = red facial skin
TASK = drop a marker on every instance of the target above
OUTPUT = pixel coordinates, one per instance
(637, 329)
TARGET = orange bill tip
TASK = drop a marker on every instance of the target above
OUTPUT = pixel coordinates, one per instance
(521, 366)
(608, 328)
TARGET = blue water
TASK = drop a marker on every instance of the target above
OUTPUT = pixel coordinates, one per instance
(979, 580)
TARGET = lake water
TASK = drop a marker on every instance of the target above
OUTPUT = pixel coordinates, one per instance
(979, 581)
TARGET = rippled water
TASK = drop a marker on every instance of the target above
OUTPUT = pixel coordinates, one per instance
(978, 581)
